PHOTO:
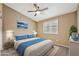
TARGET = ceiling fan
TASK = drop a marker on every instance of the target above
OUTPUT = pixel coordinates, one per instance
(37, 9)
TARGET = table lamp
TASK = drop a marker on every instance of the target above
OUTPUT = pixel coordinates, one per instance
(35, 33)
(10, 35)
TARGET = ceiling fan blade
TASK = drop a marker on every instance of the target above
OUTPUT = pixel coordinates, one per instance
(30, 11)
(43, 9)
(36, 7)
(35, 14)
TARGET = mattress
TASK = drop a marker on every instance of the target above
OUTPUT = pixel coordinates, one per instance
(38, 49)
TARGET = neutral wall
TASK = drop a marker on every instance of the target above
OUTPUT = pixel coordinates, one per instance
(65, 21)
(10, 18)
(0, 27)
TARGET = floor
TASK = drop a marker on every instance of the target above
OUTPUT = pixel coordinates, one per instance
(9, 52)
(57, 51)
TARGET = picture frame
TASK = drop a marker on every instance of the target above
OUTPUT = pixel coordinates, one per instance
(22, 25)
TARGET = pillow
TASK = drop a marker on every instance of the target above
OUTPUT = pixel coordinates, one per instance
(20, 37)
(30, 36)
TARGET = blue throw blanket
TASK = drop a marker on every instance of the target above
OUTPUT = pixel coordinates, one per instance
(22, 46)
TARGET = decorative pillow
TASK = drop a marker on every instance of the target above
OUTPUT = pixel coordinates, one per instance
(20, 37)
(30, 36)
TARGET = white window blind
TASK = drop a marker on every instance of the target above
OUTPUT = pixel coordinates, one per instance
(51, 27)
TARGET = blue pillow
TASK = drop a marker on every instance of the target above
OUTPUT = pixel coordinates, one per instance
(30, 36)
(20, 37)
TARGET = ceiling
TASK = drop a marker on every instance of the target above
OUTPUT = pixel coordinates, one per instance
(54, 9)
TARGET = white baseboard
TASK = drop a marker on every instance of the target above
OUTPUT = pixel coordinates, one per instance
(62, 45)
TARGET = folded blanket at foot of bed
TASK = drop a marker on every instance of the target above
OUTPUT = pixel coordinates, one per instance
(22, 46)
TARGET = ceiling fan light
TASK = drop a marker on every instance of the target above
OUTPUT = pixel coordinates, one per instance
(38, 12)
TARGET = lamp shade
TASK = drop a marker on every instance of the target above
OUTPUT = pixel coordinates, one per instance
(9, 34)
(34, 32)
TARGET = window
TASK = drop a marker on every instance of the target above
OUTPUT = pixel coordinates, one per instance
(51, 27)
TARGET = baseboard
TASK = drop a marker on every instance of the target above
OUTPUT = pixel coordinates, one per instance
(62, 45)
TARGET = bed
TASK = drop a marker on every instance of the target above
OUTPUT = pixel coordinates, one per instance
(33, 46)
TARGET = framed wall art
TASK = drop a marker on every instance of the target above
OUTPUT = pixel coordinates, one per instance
(22, 25)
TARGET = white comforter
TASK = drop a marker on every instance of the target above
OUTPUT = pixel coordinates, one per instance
(37, 49)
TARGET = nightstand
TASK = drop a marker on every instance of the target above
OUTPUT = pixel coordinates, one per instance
(8, 45)
(74, 48)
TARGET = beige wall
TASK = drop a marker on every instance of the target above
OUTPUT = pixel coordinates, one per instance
(10, 18)
(65, 21)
